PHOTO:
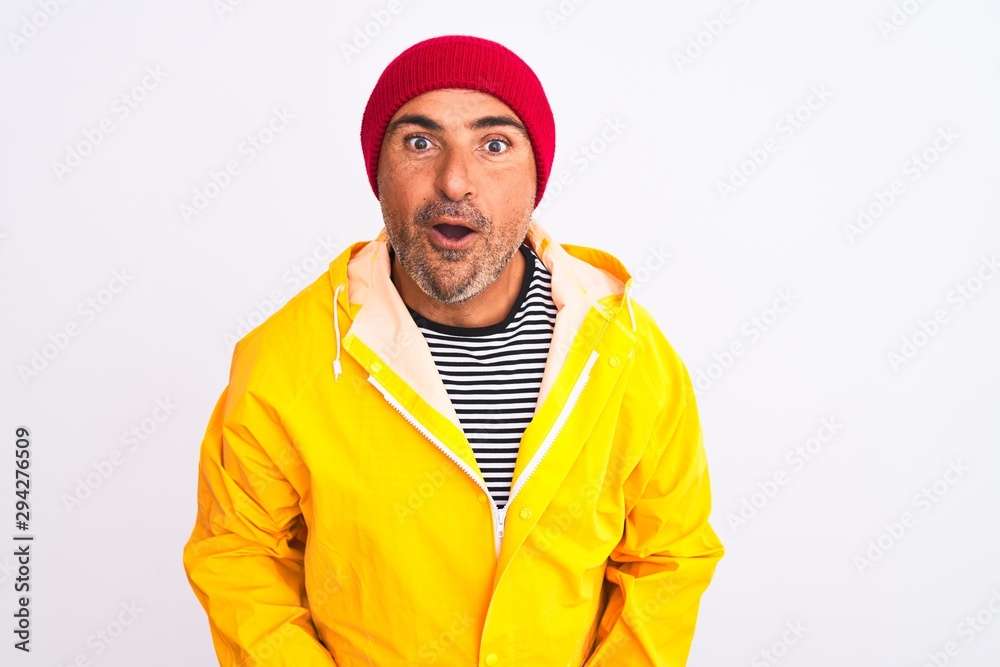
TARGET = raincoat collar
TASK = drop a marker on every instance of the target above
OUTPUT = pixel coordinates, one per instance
(381, 330)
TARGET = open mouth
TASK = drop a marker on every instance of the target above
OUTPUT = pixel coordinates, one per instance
(448, 236)
(453, 231)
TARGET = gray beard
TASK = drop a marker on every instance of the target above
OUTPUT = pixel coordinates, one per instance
(421, 269)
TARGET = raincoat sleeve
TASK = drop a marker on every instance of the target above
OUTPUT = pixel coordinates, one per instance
(668, 552)
(244, 558)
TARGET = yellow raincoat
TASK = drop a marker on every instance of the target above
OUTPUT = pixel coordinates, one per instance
(343, 520)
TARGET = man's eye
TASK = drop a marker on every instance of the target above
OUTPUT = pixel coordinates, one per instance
(418, 143)
(496, 146)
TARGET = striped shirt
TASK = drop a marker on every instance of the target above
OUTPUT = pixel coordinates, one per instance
(493, 374)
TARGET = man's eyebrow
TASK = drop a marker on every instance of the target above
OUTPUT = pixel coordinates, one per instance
(414, 119)
(484, 123)
(487, 122)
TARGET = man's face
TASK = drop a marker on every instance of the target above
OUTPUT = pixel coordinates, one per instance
(452, 158)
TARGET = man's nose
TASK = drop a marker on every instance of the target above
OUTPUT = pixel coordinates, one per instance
(455, 174)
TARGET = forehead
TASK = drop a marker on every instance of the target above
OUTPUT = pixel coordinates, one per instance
(455, 106)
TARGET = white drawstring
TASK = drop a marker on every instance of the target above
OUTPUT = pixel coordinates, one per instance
(337, 368)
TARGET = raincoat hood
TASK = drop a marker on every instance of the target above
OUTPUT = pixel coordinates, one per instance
(581, 278)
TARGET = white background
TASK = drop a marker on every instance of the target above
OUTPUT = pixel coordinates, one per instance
(653, 190)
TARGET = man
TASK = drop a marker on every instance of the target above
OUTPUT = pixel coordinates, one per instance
(464, 444)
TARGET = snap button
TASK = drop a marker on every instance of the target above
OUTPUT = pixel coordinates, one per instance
(525, 513)
(482, 498)
(614, 361)
(376, 367)
(492, 659)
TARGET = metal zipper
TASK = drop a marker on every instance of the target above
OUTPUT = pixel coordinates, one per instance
(500, 515)
(553, 433)
(497, 516)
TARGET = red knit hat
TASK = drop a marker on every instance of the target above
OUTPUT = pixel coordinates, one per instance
(460, 61)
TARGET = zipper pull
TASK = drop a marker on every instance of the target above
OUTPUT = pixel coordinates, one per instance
(500, 516)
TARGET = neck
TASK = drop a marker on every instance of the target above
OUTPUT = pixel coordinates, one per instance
(487, 308)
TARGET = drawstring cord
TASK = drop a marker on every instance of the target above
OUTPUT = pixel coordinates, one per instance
(337, 368)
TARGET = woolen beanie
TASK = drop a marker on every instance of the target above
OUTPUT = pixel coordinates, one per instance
(461, 61)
